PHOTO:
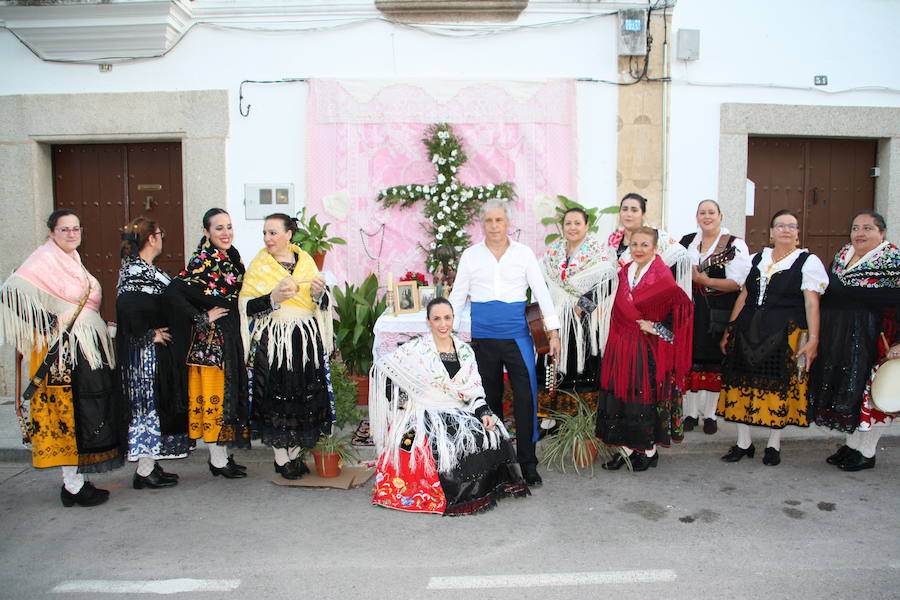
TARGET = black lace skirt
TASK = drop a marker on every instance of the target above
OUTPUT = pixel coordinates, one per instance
(290, 404)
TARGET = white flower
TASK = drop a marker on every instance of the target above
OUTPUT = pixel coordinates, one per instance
(445, 196)
(456, 206)
(433, 245)
(441, 178)
(441, 229)
(439, 236)
(409, 188)
(489, 186)
(453, 186)
(453, 153)
(418, 188)
(452, 169)
(458, 248)
(442, 160)
(435, 158)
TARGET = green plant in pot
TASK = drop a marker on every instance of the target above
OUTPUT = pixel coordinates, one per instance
(346, 392)
(330, 451)
(567, 204)
(575, 442)
(312, 237)
(357, 309)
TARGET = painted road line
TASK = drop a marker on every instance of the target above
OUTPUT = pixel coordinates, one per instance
(150, 586)
(550, 579)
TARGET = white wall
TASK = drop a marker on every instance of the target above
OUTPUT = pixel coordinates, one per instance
(268, 146)
(761, 44)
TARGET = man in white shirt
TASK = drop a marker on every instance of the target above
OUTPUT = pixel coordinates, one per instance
(494, 275)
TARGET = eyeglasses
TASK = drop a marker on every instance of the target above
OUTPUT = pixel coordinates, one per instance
(786, 226)
(67, 230)
(161, 234)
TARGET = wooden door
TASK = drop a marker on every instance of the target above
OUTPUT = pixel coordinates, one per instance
(825, 181)
(107, 185)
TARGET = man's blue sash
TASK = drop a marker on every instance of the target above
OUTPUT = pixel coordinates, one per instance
(506, 321)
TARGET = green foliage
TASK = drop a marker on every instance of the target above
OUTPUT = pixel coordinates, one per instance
(313, 237)
(566, 204)
(450, 206)
(574, 437)
(357, 309)
(339, 445)
(345, 395)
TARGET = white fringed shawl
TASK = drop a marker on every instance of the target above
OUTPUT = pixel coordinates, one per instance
(51, 283)
(591, 268)
(673, 254)
(436, 406)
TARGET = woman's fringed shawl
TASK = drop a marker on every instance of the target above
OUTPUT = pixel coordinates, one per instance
(39, 299)
(297, 312)
(879, 268)
(436, 406)
(673, 254)
(655, 298)
(591, 268)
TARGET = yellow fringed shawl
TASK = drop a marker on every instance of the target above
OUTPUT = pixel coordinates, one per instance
(297, 312)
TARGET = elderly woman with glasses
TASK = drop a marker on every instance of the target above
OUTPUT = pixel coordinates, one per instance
(772, 341)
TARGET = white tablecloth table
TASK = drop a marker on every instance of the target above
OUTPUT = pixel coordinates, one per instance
(391, 331)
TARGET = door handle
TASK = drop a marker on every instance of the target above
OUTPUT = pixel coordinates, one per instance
(148, 203)
(815, 195)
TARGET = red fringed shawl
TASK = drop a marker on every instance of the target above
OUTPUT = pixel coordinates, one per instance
(625, 362)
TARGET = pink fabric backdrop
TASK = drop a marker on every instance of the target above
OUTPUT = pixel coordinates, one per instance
(366, 136)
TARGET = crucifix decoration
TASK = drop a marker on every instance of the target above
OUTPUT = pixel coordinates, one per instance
(450, 206)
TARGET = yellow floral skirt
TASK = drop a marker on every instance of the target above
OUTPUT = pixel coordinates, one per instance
(206, 390)
(766, 408)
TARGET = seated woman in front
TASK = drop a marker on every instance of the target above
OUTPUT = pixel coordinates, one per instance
(441, 449)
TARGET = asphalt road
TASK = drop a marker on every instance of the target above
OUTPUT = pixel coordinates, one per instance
(692, 528)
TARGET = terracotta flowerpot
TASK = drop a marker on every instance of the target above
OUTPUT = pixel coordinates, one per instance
(362, 383)
(328, 464)
(586, 452)
(319, 259)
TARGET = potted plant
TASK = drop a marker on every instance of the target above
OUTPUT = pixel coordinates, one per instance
(566, 204)
(313, 237)
(346, 394)
(357, 310)
(330, 452)
(575, 442)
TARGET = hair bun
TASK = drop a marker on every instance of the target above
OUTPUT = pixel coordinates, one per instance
(130, 237)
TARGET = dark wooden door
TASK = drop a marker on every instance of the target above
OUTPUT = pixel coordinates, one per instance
(825, 181)
(110, 184)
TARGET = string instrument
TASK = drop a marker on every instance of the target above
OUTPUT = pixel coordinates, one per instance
(535, 320)
(715, 260)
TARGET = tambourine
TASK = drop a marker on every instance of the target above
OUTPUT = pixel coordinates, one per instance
(886, 387)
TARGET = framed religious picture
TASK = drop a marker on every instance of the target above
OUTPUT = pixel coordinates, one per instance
(426, 295)
(406, 297)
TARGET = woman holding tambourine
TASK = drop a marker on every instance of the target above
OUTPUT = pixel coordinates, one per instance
(859, 331)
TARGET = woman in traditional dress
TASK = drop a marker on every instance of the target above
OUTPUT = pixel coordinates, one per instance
(860, 316)
(632, 210)
(580, 271)
(719, 264)
(441, 449)
(148, 371)
(289, 341)
(772, 341)
(647, 358)
(49, 309)
(206, 337)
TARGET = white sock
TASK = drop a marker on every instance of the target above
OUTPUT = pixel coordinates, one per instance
(145, 466)
(651, 452)
(294, 452)
(691, 405)
(218, 455)
(869, 442)
(72, 479)
(774, 440)
(743, 431)
(854, 439)
(708, 404)
(281, 456)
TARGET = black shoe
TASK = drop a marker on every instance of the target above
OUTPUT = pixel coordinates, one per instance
(690, 423)
(710, 426)
(228, 471)
(856, 462)
(840, 456)
(159, 471)
(288, 470)
(153, 480)
(736, 453)
(532, 477)
(616, 463)
(88, 495)
(640, 462)
(234, 465)
(772, 457)
(302, 467)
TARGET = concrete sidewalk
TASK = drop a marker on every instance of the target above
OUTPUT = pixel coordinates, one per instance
(12, 449)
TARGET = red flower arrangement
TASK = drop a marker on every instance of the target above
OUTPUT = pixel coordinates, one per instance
(419, 278)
